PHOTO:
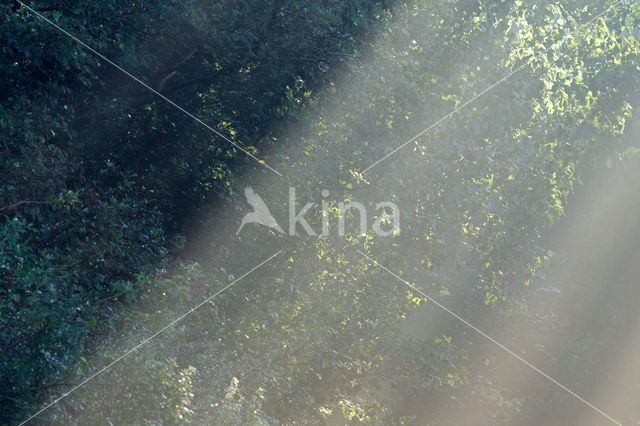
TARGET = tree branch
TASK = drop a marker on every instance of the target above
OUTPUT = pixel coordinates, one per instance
(19, 203)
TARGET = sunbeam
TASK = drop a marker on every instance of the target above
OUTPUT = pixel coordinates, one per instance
(289, 212)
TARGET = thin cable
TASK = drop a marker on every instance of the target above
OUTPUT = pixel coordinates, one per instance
(146, 86)
(145, 341)
(497, 83)
(500, 345)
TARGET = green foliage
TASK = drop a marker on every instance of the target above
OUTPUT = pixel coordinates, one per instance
(101, 178)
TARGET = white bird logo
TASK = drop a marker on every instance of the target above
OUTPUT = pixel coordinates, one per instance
(260, 213)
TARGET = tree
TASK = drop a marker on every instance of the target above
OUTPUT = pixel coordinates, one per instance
(321, 91)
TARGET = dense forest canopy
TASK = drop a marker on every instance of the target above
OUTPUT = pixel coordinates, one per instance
(506, 132)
